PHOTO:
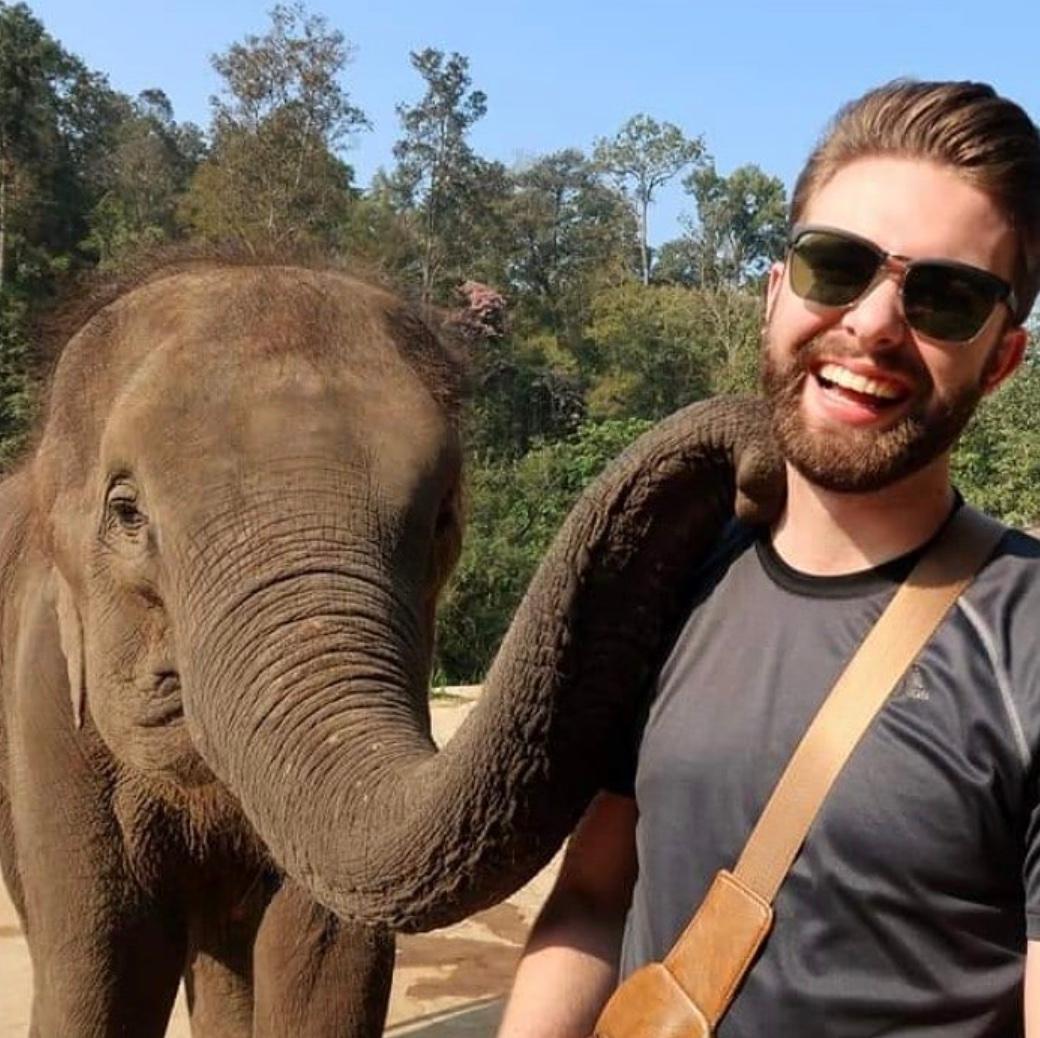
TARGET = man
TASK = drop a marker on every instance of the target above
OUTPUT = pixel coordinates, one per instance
(914, 259)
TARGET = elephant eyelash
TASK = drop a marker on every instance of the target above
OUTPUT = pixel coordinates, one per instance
(121, 508)
(127, 513)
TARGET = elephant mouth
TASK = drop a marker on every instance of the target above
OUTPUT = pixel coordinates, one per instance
(160, 718)
(165, 707)
(166, 715)
(167, 683)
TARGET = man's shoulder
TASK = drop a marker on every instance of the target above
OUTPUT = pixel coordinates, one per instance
(1003, 602)
(1025, 540)
(736, 538)
(1018, 551)
(1011, 577)
(999, 615)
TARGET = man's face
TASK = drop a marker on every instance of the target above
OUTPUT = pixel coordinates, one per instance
(860, 400)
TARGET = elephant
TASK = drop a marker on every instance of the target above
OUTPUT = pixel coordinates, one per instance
(219, 572)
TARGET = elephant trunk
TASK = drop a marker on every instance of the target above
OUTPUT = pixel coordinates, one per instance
(318, 721)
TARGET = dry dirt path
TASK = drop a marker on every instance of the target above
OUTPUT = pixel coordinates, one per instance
(447, 984)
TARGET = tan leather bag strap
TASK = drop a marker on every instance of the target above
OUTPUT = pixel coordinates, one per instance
(901, 632)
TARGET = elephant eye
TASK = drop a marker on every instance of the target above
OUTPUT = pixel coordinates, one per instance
(122, 508)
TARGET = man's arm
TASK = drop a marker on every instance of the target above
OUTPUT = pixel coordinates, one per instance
(1032, 989)
(569, 966)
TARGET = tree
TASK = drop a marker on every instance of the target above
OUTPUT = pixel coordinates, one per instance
(447, 190)
(275, 172)
(643, 155)
(57, 120)
(17, 397)
(568, 231)
(521, 396)
(28, 59)
(651, 348)
(742, 223)
(678, 262)
(56, 124)
(732, 322)
(377, 234)
(151, 165)
(515, 507)
(997, 462)
(655, 348)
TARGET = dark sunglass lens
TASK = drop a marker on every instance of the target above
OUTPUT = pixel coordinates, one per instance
(948, 303)
(830, 269)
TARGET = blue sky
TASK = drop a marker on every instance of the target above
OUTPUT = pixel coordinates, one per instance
(757, 80)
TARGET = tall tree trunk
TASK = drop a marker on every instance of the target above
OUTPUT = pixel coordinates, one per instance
(643, 249)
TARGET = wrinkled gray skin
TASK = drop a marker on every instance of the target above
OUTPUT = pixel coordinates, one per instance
(218, 575)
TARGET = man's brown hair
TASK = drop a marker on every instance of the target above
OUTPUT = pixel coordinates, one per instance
(987, 139)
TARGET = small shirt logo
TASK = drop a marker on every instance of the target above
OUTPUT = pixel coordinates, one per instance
(912, 686)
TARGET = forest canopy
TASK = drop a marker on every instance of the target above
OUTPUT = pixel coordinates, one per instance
(593, 333)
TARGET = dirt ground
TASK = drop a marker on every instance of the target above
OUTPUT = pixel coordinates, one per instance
(447, 984)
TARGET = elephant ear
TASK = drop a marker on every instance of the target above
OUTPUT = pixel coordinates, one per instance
(70, 634)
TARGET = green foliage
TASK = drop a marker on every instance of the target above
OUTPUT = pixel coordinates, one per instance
(17, 392)
(524, 391)
(30, 61)
(151, 162)
(997, 463)
(515, 509)
(377, 234)
(643, 155)
(570, 232)
(653, 348)
(678, 262)
(447, 192)
(742, 224)
(57, 121)
(275, 175)
(57, 124)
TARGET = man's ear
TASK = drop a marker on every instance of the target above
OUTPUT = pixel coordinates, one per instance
(1007, 355)
(776, 279)
(70, 635)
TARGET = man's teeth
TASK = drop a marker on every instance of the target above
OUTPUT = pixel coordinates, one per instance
(858, 383)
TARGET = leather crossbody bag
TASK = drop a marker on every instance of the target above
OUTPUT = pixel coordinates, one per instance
(687, 995)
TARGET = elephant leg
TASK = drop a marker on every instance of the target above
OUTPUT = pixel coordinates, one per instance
(106, 956)
(119, 982)
(318, 976)
(220, 996)
(8, 866)
(106, 960)
(218, 977)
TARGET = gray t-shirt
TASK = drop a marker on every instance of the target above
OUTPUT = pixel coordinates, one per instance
(908, 909)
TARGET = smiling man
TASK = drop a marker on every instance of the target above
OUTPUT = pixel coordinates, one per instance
(914, 905)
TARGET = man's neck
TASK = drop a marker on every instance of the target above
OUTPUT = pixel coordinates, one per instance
(828, 534)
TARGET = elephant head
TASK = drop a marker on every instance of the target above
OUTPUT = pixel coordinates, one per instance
(250, 479)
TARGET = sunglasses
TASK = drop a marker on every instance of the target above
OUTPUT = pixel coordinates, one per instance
(942, 299)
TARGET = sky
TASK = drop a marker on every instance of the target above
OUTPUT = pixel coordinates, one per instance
(758, 81)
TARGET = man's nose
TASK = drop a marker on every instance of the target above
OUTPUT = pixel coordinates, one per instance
(876, 319)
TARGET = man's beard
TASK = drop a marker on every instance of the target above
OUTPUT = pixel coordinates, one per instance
(859, 460)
